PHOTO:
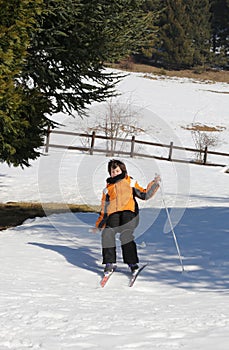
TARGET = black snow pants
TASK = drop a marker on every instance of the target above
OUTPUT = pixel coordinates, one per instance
(124, 223)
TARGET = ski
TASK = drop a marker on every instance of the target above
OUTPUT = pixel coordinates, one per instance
(106, 278)
(135, 275)
(133, 278)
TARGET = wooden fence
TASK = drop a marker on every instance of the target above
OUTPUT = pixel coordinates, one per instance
(91, 148)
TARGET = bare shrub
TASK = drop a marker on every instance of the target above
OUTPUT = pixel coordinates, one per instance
(117, 120)
(202, 140)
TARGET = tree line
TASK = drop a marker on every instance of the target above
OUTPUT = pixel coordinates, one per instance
(53, 53)
(190, 33)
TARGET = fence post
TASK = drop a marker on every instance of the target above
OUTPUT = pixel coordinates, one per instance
(205, 154)
(132, 147)
(92, 143)
(170, 151)
(47, 139)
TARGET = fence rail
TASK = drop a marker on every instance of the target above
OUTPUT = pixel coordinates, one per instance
(91, 149)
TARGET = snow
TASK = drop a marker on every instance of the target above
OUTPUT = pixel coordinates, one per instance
(51, 266)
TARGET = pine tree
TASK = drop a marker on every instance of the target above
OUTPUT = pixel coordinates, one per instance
(184, 33)
(200, 30)
(52, 56)
(174, 47)
(220, 30)
(21, 109)
(76, 37)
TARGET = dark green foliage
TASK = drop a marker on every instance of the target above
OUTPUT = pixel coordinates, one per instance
(23, 127)
(200, 30)
(22, 110)
(184, 34)
(75, 39)
(174, 45)
(52, 55)
(191, 33)
(220, 31)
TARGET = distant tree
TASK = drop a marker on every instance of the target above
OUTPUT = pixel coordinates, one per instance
(153, 7)
(220, 30)
(184, 33)
(174, 47)
(200, 30)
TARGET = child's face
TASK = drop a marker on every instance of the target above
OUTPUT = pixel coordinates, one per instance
(116, 171)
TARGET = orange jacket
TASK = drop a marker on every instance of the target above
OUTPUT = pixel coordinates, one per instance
(120, 195)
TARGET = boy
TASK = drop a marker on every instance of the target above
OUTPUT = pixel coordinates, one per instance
(119, 214)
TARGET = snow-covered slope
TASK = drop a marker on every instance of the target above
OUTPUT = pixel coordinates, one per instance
(51, 267)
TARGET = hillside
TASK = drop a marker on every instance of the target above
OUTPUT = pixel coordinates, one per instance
(51, 266)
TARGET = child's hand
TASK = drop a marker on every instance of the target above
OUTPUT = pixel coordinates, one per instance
(157, 179)
(93, 230)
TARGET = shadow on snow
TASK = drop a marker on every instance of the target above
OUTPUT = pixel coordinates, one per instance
(81, 257)
(202, 234)
(203, 237)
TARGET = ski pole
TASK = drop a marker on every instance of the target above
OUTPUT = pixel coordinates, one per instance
(171, 225)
